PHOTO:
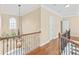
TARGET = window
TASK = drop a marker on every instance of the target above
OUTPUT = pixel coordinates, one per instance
(12, 23)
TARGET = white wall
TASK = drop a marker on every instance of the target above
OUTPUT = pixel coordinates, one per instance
(45, 17)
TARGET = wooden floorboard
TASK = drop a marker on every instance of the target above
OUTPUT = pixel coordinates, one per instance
(52, 48)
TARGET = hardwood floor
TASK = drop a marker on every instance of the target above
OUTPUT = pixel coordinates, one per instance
(52, 48)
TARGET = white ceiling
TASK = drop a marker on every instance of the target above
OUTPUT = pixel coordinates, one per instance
(12, 9)
(60, 9)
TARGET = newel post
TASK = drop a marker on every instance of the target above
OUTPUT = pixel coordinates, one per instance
(59, 43)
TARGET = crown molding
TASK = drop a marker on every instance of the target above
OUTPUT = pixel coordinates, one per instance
(70, 15)
(22, 14)
(53, 11)
(31, 11)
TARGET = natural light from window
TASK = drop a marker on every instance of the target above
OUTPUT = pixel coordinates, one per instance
(12, 23)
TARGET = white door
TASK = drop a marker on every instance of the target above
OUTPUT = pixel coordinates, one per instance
(65, 25)
(52, 27)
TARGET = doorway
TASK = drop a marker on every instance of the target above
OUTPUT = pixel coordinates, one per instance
(52, 27)
(65, 25)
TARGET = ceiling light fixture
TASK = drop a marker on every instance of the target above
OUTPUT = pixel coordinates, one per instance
(19, 40)
(67, 5)
(20, 21)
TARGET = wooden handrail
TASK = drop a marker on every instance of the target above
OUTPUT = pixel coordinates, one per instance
(70, 40)
(74, 42)
(20, 35)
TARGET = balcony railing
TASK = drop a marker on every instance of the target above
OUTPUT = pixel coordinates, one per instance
(19, 45)
(68, 46)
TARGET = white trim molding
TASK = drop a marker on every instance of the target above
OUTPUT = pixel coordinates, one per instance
(53, 11)
(44, 43)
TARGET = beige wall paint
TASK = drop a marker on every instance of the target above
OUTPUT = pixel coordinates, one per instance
(5, 23)
(39, 20)
(31, 22)
(74, 25)
(35, 21)
(45, 15)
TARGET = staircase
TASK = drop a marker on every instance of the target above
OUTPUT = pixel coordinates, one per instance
(68, 46)
(70, 49)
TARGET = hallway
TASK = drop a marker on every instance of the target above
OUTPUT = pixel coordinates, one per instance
(33, 29)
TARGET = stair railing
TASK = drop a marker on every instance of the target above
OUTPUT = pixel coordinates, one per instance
(20, 44)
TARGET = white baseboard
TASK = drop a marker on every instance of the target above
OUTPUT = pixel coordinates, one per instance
(48, 41)
(44, 43)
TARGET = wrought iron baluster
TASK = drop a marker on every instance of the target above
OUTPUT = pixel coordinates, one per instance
(68, 48)
(16, 46)
(31, 42)
(3, 46)
(21, 45)
(7, 46)
(66, 43)
(35, 41)
(25, 47)
(10, 44)
(20, 48)
(64, 46)
(13, 44)
(28, 44)
(72, 48)
(75, 50)
(24, 42)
